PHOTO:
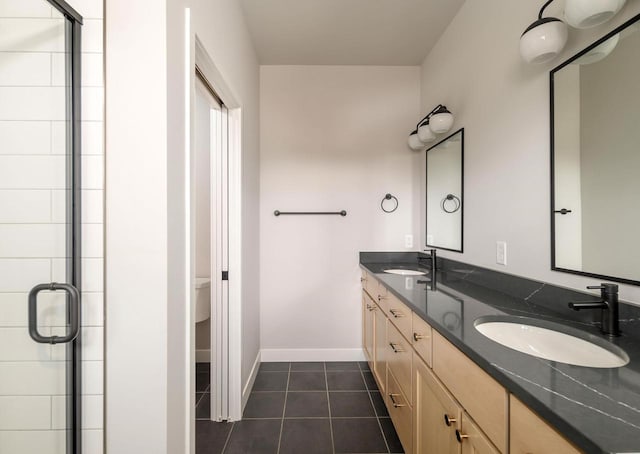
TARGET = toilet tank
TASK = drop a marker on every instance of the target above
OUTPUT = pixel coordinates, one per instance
(203, 298)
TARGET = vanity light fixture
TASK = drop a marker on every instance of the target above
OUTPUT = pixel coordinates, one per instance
(414, 142)
(589, 13)
(544, 39)
(438, 121)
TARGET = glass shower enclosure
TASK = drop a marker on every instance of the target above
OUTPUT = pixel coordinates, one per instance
(40, 276)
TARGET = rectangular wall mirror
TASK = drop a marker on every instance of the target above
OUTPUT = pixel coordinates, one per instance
(595, 159)
(445, 162)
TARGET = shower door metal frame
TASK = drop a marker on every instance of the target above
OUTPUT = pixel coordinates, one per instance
(73, 43)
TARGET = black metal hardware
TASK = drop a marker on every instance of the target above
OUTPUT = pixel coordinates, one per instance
(73, 311)
(433, 259)
(280, 213)
(456, 203)
(395, 348)
(608, 305)
(460, 437)
(562, 211)
(448, 420)
(389, 197)
(393, 401)
(396, 313)
(225, 275)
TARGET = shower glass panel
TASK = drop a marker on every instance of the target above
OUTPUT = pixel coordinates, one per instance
(39, 227)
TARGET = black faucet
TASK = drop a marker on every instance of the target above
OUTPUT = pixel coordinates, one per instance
(608, 304)
(432, 259)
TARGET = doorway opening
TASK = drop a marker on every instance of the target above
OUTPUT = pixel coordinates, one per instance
(211, 251)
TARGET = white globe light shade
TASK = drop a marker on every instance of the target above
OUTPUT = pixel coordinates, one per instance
(599, 52)
(589, 13)
(414, 142)
(441, 122)
(543, 40)
(425, 134)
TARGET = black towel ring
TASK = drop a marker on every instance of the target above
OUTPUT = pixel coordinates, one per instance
(456, 203)
(389, 197)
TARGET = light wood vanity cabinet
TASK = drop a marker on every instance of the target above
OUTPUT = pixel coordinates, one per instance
(440, 401)
(531, 435)
(481, 396)
(368, 308)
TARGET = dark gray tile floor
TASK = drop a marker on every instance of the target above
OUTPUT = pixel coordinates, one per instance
(301, 408)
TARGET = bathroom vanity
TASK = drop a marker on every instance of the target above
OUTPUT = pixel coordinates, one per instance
(450, 389)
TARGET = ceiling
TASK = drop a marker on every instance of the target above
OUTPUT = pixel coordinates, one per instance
(346, 32)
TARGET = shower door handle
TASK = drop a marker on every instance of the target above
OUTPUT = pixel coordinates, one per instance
(74, 313)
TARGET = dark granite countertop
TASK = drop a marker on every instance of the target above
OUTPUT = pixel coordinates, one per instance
(597, 409)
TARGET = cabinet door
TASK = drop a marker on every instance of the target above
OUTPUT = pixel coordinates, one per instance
(433, 408)
(368, 307)
(531, 435)
(472, 439)
(380, 348)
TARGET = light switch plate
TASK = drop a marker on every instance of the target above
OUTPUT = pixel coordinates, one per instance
(501, 252)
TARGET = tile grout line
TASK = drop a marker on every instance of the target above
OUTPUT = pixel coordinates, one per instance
(284, 409)
(226, 442)
(384, 437)
(326, 383)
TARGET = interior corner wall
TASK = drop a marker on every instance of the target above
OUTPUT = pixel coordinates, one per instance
(332, 138)
(503, 104)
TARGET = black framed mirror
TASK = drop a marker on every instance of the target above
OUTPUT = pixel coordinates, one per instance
(444, 193)
(595, 159)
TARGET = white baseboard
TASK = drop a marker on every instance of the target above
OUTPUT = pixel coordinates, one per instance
(312, 354)
(246, 390)
(203, 356)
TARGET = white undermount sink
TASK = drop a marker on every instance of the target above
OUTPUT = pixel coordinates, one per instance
(405, 272)
(545, 340)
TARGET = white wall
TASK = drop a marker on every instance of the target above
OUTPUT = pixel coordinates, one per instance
(146, 240)
(32, 217)
(332, 138)
(475, 69)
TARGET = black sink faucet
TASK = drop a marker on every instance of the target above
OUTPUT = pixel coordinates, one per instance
(431, 258)
(608, 304)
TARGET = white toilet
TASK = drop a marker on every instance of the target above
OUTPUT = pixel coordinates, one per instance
(203, 299)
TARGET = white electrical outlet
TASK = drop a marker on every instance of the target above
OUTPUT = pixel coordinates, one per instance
(501, 252)
(408, 241)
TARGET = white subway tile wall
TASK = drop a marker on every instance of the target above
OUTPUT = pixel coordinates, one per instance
(32, 217)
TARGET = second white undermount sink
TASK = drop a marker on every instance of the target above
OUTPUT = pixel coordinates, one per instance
(545, 340)
(404, 272)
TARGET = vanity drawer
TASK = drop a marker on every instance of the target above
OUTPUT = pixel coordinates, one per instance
(369, 284)
(399, 359)
(401, 412)
(400, 315)
(421, 338)
(483, 397)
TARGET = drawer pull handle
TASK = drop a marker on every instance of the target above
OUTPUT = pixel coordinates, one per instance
(362, 279)
(380, 297)
(460, 437)
(396, 313)
(448, 420)
(417, 336)
(393, 400)
(395, 348)
(372, 308)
